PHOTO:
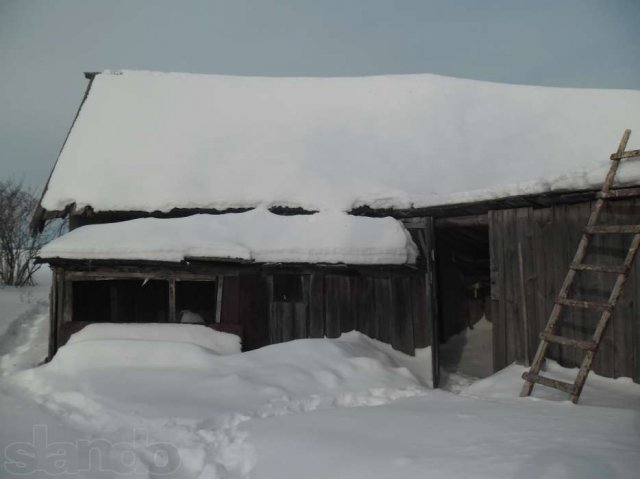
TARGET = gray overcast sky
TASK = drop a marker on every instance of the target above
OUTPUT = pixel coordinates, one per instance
(46, 45)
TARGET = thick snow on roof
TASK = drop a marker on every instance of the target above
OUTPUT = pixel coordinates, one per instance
(257, 235)
(155, 141)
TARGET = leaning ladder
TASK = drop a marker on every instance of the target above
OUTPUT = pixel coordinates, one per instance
(590, 347)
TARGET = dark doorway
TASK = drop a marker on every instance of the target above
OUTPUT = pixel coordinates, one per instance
(465, 330)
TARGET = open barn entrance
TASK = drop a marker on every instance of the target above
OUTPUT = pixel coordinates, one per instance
(465, 328)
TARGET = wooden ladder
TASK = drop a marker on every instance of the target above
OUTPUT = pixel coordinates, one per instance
(590, 347)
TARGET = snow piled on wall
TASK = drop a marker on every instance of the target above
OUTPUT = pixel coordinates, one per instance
(257, 235)
(154, 141)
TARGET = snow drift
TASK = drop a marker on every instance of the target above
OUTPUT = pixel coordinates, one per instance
(280, 412)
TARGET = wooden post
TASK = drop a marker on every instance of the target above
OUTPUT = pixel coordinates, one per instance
(427, 241)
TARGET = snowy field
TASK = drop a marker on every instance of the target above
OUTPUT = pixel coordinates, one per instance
(173, 401)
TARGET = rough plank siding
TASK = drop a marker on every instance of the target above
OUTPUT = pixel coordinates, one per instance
(230, 312)
(254, 310)
(389, 308)
(549, 238)
(316, 305)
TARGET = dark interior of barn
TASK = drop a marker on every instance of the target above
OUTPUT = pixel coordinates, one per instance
(464, 288)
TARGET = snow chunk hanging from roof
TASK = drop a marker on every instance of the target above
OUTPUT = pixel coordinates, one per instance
(257, 235)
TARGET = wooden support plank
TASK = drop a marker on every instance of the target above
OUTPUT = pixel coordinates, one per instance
(385, 313)
(316, 305)
(581, 344)
(67, 311)
(569, 302)
(620, 193)
(402, 339)
(421, 331)
(612, 229)
(496, 237)
(549, 382)
(230, 304)
(219, 296)
(337, 305)
(599, 268)
(172, 301)
(53, 316)
(627, 154)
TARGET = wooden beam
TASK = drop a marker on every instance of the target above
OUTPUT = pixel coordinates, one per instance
(627, 154)
(481, 220)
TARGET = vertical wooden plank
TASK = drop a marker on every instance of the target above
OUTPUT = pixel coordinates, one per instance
(419, 296)
(632, 320)
(299, 327)
(229, 308)
(433, 296)
(347, 319)
(172, 301)
(384, 312)
(337, 305)
(60, 305)
(275, 322)
(254, 311)
(316, 305)
(219, 298)
(67, 314)
(286, 318)
(53, 315)
(497, 287)
(362, 305)
(332, 316)
(622, 212)
(521, 223)
(402, 339)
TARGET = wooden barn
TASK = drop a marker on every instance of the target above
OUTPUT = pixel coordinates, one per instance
(405, 207)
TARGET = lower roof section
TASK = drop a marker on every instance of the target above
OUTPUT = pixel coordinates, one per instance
(254, 236)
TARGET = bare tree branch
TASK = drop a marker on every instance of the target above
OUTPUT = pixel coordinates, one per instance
(18, 248)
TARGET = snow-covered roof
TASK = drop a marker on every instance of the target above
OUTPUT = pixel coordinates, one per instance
(257, 235)
(157, 141)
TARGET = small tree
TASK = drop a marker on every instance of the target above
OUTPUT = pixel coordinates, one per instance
(18, 248)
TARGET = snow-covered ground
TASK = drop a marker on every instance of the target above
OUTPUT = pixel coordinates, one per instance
(24, 323)
(141, 402)
(468, 355)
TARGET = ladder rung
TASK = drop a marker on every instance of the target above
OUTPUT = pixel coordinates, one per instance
(585, 267)
(620, 193)
(549, 382)
(627, 154)
(613, 229)
(584, 304)
(569, 342)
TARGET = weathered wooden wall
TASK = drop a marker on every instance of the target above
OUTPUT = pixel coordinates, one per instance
(391, 308)
(386, 305)
(548, 239)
